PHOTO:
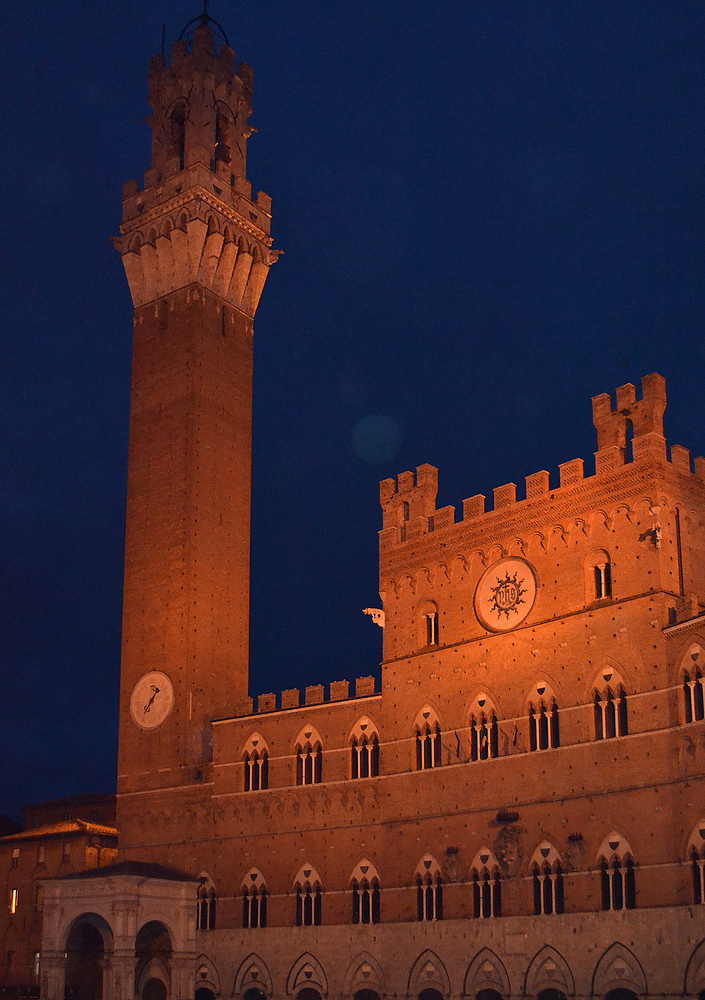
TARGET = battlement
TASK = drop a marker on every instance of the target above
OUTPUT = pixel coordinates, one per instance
(408, 505)
(315, 694)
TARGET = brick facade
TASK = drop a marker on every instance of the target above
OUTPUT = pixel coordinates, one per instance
(517, 810)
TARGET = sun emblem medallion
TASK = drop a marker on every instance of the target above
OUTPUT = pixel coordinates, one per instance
(505, 594)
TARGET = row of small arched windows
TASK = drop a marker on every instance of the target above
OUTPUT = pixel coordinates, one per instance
(610, 714)
(615, 866)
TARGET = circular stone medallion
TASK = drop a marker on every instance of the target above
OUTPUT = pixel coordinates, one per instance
(505, 594)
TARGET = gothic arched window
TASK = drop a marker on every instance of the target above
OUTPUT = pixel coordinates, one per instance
(428, 739)
(486, 883)
(696, 857)
(429, 890)
(543, 718)
(610, 706)
(547, 878)
(256, 763)
(254, 900)
(365, 894)
(177, 133)
(307, 887)
(616, 867)
(309, 758)
(205, 904)
(364, 750)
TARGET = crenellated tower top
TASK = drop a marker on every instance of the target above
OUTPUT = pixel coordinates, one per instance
(194, 219)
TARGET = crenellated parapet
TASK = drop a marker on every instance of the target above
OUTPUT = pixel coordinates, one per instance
(194, 220)
(408, 505)
(314, 694)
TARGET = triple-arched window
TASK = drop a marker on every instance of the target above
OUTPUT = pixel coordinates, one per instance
(307, 886)
(692, 680)
(364, 750)
(616, 866)
(309, 757)
(484, 731)
(544, 731)
(365, 894)
(428, 739)
(254, 900)
(610, 705)
(429, 889)
(547, 878)
(255, 756)
(205, 904)
(696, 857)
(486, 885)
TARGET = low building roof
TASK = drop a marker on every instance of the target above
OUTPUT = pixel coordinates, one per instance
(142, 869)
(63, 829)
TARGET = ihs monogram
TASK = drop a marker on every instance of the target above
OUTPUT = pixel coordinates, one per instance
(507, 595)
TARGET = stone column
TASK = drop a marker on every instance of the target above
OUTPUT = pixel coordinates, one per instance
(52, 975)
(183, 976)
(119, 980)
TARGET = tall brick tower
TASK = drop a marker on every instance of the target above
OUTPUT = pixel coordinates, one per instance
(196, 250)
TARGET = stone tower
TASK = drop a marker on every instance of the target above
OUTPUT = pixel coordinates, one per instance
(196, 250)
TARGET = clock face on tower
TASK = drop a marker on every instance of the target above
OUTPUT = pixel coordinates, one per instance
(151, 700)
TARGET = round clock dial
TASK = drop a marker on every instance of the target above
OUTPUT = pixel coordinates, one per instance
(151, 700)
(505, 594)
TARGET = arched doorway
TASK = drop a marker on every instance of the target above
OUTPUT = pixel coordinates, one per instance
(488, 995)
(85, 958)
(366, 995)
(154, 989)
(254, 993)
(153, 961)
(430, 995)
(203, 993)
(551, 995)
(621, 994)
(308, 993)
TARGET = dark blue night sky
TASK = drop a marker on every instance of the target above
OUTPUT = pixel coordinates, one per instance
(490, 212)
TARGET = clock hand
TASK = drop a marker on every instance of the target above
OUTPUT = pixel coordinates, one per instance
(155, 692)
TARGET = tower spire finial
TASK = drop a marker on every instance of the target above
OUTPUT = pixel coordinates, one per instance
(203, 20)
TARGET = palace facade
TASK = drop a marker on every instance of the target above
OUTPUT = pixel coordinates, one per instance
(518, 809)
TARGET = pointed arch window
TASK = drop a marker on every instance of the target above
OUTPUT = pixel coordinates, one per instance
(696, 857)
(429, 890)
(177, 133)
(222, 135)
(610, 706)
(254, 900)
(428, 740)
(544, 732)
(691, 667)
(616, 867)
(547, 879)
(307, 888)
(256, 764)
(365, 896)
(205, 904)
(693, 707)
(309, 758)
(484, 736)
(486, 883)
(364, 750)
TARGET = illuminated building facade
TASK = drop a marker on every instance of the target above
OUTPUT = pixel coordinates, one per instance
(517, 812)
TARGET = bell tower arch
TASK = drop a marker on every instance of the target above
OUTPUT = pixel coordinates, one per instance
(196, 249)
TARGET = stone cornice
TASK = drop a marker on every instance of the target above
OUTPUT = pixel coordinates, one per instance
(179, 201)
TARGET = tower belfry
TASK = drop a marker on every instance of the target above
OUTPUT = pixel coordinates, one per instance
(196, 250)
